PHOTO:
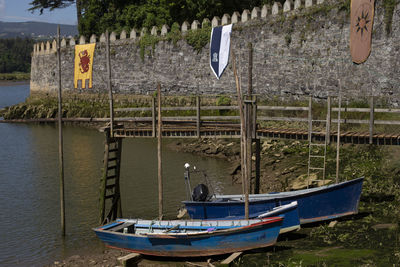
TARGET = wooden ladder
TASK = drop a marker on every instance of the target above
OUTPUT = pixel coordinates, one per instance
(315, 155)
(110, 196)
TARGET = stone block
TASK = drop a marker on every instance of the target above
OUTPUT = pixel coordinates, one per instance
(72, 41)
(216, 21)
(298, 4)
(154, 31)
(143, 31)
(256, 13)
(54, 46)
(93, 38)
(205, 22)
(122, 36)
(320, 2)
(226, 19)
(235, 17)
(102, 38)
(309, 3)
(41, 48)
(288, 6)
(48, 47)
(276, 8)
(113, 36)
(164, 30)
(246, 15)
(133, 34)
(195, 25)
(82, 40)
(185, 26)
(264, 11)
(63, 42)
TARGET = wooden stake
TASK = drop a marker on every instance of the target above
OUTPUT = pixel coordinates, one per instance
(159, 132)
(60, 136)
(371, 120)
(108, 59)
(242, 139)
(328, 121)
(250, 85)
(338, 138)
(198, 116)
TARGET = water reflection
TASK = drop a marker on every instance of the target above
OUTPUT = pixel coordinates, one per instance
(29, 191)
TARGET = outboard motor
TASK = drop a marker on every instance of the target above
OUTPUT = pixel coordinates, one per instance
(200, 193)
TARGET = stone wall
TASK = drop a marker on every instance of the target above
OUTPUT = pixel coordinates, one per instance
(301, 48)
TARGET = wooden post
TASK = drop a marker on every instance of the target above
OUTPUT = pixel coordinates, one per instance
(60, 136)
(159, 132)
(371, 119)
(258, 161)
(328, 121)
(108, 59)
(153, 116)
(198, 115)
(338, 138)
(242, 139)
(309, 138)
(248, 140)
(250, 84)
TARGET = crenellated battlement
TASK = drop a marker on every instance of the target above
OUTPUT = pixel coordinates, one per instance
(246, 16)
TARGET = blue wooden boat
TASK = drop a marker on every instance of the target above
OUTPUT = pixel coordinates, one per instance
(182, 238)
(314, 204)
(290, 212)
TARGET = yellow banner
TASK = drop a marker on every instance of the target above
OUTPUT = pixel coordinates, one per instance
(83, 64)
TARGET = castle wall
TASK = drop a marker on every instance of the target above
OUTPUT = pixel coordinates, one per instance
(299, 49)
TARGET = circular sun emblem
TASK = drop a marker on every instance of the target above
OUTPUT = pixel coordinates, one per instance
(362, 21)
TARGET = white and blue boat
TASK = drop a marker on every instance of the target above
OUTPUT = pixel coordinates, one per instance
(314, 204)
(182, 238)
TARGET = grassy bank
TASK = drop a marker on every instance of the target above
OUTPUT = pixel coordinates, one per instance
(15, 76)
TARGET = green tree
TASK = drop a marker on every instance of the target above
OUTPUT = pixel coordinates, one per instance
(95, 16)
(15, 55)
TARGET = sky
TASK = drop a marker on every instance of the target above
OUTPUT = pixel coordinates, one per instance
(17, 11)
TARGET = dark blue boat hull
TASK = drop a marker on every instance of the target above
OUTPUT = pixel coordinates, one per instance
(206, 244)
(324, 203)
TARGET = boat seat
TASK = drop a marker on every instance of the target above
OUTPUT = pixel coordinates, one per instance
(120, 227)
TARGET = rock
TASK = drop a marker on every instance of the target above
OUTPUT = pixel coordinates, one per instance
(182, 212)
(332, 224)
(302, 181)
(277, 155)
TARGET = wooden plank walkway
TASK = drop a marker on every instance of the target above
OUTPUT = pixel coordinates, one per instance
(225, 130)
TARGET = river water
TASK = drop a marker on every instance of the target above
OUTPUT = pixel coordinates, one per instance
(29, 186)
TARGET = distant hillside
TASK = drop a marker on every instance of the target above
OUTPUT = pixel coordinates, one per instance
(36, 30)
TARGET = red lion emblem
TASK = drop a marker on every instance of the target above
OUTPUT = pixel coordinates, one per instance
(84, 61)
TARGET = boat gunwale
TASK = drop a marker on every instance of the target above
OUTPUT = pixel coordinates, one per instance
(268, 196)
(264, 221)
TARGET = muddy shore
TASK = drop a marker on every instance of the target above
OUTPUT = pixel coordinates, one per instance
(370, 238)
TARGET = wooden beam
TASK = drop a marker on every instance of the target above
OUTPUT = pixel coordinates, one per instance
(60, 137)
(159, 156)
(231, 258)
(110, 94)
(130, 260)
